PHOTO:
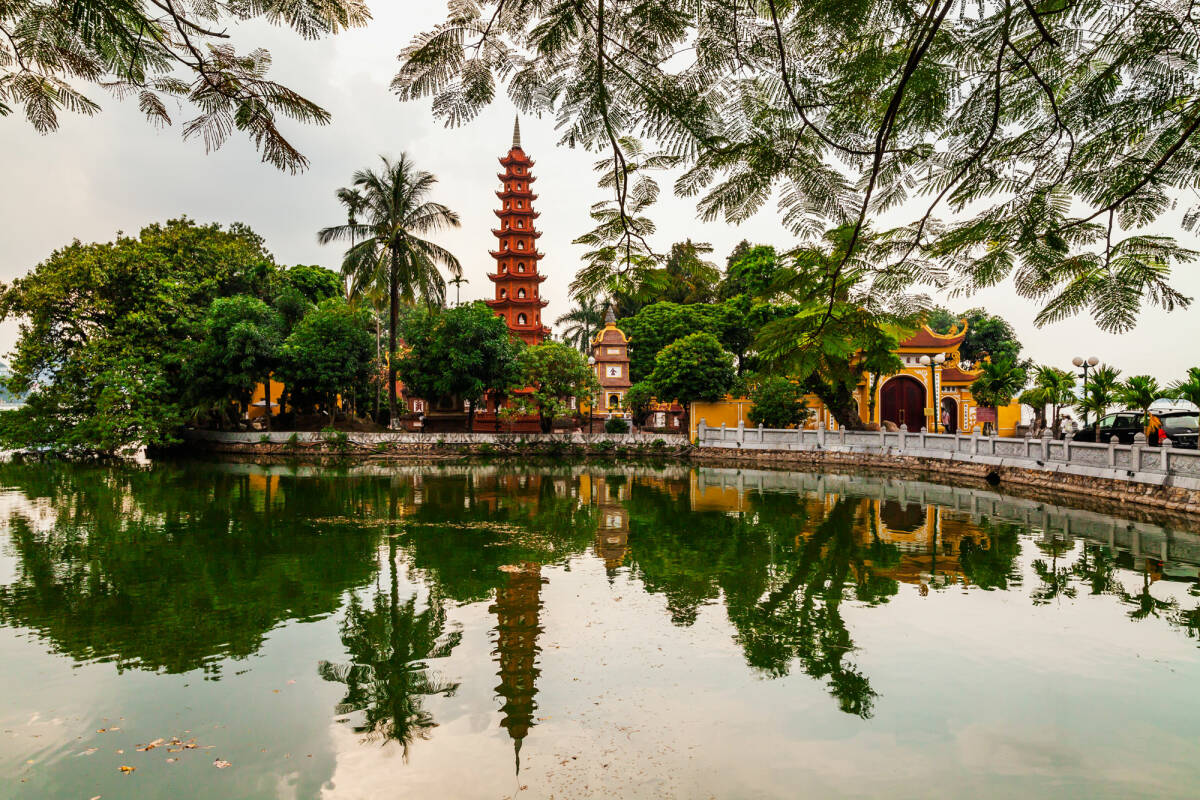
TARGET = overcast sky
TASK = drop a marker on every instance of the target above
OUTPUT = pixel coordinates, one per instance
(115, 172)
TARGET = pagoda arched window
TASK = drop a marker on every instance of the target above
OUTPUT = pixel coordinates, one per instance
(520, 266)
(520, 204)
(520, 223)
(503, 293)
(520, 245)
(521, 293)
(522, 319)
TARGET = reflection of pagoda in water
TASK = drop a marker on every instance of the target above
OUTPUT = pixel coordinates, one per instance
(612, 534)
(518, 603)
(930, 543)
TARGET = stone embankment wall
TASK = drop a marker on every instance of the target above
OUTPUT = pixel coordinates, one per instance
(1159, 478)
(1164, 477)
(395, 445)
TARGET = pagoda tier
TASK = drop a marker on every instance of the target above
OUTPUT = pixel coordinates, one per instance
(517, 301)
(500, 233)
(513, 276)
(517, 255)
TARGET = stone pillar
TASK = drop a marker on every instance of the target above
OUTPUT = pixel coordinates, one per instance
(821, 436)
(1112, 451)
(1067, 438)
(722, 433)
(741, 432)
(701, 430)
(1165, 447)
(903, 431)
(1045, 445)
(760, 434)
(1135, 452)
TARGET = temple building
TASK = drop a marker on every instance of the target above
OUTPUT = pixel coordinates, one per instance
(516, 277)
(932, 391)
(610, 354)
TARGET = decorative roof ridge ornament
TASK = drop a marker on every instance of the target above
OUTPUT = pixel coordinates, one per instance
(517, 133)
(610, 319)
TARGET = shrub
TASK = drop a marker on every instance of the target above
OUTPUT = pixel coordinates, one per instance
(264, 439)
(659, 444)
(605, 446)
(616, 425)
(292, 441)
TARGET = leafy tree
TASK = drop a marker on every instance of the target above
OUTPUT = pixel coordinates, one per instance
(329, 353)
(238, 350)
(1139, 392)
(106, 330)
(639, 398)
(999, 381)
(386, 248)
(160, 52)
(987, 334)
(582, 322)
(695, 367)
(750, 271)
(686, 277)
(1188, 388)
(835, 333)
(315, 283)
(778, 403)
(458, 353)
(1041, 164)
(1099, 394)
(555, 372)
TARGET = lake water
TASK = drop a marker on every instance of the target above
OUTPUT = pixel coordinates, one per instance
(234, 631)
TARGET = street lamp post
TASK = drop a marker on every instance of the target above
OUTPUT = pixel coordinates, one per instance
(935, 402)
(1086, 364)
(592, 400)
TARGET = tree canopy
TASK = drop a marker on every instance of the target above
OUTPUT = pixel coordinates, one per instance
(329, 352)
(979, 143)
(555, 372)
(695, 367)
(161, 53)
(457, 353)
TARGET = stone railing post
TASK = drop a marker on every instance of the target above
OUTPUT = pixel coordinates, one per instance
(760, 434)
(975, 441)
(1166, 454)
(821, 436)
(722, 433)
(903, 431)
(1028, 443)
(741, 432)
(924, 430)
(1112, 451)
(701, 431)
(1045, 445)
(1135, 452)
(1067, 439)
(842, 436)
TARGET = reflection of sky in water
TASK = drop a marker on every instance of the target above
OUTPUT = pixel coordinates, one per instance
(642, 685)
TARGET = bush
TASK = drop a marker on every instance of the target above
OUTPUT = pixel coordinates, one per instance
(616, 425)
(486, 449)
(292, 441)
(778, 403)
(659, 444)
(264, 439)
(605, 446)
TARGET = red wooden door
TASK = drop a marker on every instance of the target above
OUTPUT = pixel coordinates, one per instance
(903, 402)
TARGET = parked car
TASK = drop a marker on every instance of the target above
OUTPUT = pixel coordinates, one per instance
(1181, 427)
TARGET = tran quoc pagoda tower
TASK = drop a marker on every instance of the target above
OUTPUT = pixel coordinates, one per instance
(516, 276)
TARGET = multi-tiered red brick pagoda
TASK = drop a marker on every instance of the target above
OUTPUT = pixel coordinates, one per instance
(516, 276)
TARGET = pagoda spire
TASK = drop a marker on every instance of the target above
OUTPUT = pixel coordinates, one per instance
(517, 132)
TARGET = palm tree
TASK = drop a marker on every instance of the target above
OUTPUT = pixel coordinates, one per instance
(1188, 388)
(1059, 389)
(458, 281)
(390, 251)
(1139, 392)
(1036, 398)
(353, 201)
(587, 316)
(998, 382)
(1100, 394)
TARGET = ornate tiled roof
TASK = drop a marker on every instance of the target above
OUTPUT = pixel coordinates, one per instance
(924, 337)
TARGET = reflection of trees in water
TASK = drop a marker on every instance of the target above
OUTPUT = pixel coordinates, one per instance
(782, 578)
(171, 568)
(994, 566)
(1055, 578)
(388, 642)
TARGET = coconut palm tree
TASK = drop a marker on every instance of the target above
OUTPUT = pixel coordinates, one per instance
(582, 321)
(1139, 392)
(1100, 394)
(353, 201)
(395, 213)
(1188, 388)
(998, 382)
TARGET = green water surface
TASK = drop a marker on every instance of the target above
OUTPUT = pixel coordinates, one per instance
(584, 631)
